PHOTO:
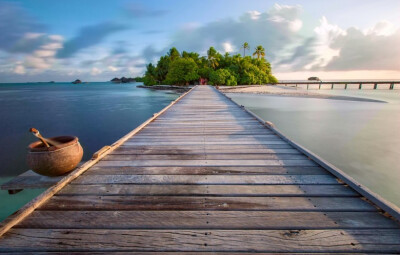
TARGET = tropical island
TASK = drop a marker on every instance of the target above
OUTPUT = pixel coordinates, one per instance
(189, 68)
(123, 80)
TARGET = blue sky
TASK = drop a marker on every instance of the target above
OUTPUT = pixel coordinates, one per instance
(97, 40)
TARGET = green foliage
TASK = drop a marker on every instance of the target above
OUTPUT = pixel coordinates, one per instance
(139, 79)
(182, 71)
(204, 72)
(189, 67)
(259, 51)
(162, 68)
(245, 47)
(173, 54)
(150, 75)
(223, 77)
(213, 58)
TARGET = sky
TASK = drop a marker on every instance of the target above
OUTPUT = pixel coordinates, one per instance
(96, 40)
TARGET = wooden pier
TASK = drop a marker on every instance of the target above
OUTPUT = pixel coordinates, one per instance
(204, 176)
(389, 85)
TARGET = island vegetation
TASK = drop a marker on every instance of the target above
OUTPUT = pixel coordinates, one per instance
(187, 68)
(123, 80)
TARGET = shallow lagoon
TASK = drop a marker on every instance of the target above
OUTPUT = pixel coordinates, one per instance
(361, 138)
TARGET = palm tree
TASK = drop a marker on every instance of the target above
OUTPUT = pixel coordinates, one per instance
(260, 51)
(245, 47)
(211, 56)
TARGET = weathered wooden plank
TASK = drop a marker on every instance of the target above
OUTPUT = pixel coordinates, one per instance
(199, 143)
(209, 190)
(231, 121)
(181, 253)
(107, 203)
(210, 147)
(206, 179)
(176, 151)
(287, 162)
(209, 126)
(211, 136)
(204, 138)
(206, 126)
(30, 180)
(179, 118)
(191, 132)
(127, 156)
(206, 220)
(306, 170)
(202, 240)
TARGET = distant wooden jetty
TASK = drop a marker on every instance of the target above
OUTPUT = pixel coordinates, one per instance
(342, 84)
(204, 176)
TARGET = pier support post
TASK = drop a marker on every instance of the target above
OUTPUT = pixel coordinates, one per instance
(319, 87)
(375, 85)
(359, 87)
(332, 86)
(307, 86)
(391, 86)
(345, 86)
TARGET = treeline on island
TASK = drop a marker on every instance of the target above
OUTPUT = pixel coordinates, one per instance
(127, 80)
(187, 68)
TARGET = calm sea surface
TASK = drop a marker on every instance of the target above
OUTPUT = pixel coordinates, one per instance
(361, 138)
(98, 113)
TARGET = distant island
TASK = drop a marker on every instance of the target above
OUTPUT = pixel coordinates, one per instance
(77, 81)
(188, 68)
(127, 80)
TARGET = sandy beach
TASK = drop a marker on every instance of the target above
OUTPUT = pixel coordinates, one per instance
(288, 91)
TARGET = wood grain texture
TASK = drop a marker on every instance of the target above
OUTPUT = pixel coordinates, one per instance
(209, 162)
(183, 253)
(207, 203)
(206, 220)
(233, 152)
(202, 240)
(207, 179)
(209, 190)
(30, 180)
(133, 157)
(215, 170)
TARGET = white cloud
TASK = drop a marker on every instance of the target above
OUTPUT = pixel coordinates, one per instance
(44, 57)
(325, 34)
(95, 71)
(293, 46)
(34, 62)
(382, 28)
(44, 53)
(277, 30)
(112, 68)
(59, 38)
(19, 69)
(288, 15)
(254, 15)
(227, 46)
(361, 51)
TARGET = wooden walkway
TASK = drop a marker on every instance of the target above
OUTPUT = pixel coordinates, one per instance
(205, 176)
